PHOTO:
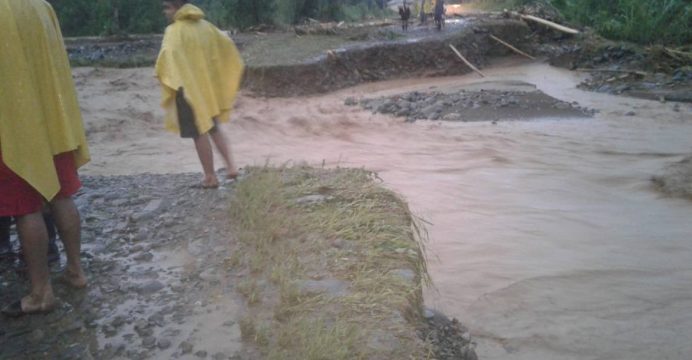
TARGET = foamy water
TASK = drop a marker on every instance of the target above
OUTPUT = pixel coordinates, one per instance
(547, 238)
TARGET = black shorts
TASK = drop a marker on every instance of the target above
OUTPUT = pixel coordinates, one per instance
(186, 117)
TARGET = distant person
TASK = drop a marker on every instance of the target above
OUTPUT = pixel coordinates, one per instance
(422, 13)
(405, 14)
(200, 69)
(439, 14)
(42, 143)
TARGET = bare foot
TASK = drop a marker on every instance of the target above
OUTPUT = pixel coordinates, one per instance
(32, 304)
(232, 175)
(210, 182)
(74, 279)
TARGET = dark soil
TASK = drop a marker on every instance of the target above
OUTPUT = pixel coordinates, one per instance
(474, 105)
(121, 52)
(452, 341)
(676, 179)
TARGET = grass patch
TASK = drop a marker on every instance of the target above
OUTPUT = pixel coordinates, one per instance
(293, 49)
(299, 225)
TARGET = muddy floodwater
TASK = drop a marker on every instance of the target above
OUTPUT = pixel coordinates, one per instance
(547, 238)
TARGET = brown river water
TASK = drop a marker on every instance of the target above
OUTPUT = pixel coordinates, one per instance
(547, 238)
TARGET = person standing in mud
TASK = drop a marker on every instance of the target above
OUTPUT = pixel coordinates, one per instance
(405, 14)
(422, 13)
(42, 143)
(439, 14)
(199, 68)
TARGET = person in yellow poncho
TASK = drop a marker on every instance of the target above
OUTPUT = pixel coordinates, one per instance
(200, 70)
(42, 143)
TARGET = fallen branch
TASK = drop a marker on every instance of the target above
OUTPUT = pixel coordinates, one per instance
(511, 47)
(636, 72)
(547, 23)
(466, 61)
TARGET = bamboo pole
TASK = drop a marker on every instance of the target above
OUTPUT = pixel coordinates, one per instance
(466, 61)
(633, 72)
(511, 47)
(549, 24)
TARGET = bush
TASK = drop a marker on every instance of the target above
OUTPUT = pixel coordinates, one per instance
(110, 17)
(640, 21)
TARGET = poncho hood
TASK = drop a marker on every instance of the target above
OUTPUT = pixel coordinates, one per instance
(189, 12)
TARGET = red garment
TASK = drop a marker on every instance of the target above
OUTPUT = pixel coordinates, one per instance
(18, 198)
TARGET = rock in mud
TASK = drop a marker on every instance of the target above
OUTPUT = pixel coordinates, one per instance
(331, 287)
(150, 287)
(149, 342)
(163, 344)
(450, 340)
(407, 275)
(186, 347)
(312, 199)
(350, 101)
(483, 105)
(219, 356)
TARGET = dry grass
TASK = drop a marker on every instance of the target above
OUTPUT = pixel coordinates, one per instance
(359, 233)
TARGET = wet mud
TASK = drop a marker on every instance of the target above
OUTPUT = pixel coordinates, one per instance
(153, 250)
(490, 101)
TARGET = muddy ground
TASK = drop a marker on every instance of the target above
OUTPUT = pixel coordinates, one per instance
(316, 58)
(161, 259)
(491, 101)
(291, 64)
(124, 124)
(158, 284)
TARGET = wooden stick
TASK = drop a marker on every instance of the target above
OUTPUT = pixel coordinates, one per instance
(511, 47)
(550, 24)
(466, 61)
(636, 72)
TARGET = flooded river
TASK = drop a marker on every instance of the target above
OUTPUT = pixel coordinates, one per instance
(546, 236)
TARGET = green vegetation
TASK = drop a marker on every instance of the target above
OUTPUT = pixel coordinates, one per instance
(114, 17)
(349, 230)
(641, 21)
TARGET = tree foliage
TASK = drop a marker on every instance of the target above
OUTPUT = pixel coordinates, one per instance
(110, 17)
(641, 21)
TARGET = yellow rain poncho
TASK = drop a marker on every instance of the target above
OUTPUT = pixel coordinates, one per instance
(39, 113)
(203, 61)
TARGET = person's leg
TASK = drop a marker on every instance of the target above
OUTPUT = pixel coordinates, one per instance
(224, 148)
(67, 220)
(34, 239)
(5, 245)
(53, 251)
(206, 157)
